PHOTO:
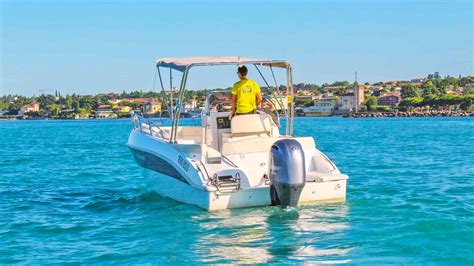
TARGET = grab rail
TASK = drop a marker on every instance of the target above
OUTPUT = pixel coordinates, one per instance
(229, 161)
(138, 120)
(207, 177)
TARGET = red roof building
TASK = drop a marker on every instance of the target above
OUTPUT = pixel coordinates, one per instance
(391, 100)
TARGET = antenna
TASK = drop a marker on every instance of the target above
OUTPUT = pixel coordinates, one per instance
(356, 77)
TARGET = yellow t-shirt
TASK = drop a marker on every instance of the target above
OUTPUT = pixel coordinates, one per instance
(246, 91)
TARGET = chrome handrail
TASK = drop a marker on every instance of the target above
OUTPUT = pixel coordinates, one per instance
(206, 176)
(138, 120)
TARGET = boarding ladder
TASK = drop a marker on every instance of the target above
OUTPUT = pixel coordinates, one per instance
(226, 183)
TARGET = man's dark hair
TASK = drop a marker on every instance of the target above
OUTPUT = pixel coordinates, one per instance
(242, 70)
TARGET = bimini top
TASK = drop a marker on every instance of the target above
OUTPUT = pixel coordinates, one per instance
(182, 63)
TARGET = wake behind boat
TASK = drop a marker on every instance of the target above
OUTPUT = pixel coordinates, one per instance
(230, 163)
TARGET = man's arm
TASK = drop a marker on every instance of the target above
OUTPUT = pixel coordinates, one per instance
(234, 104)
(259, 100)
(258, 93)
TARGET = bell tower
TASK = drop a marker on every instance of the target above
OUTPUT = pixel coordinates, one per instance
(356, 94)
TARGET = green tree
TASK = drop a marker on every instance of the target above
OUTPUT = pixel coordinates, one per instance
(46, 100)
(34, 114)
(371, 103)
(383, 108)
(4, 105)
(466, 104)
(83, 112)
(53, 109)
(309, 103)
(430, 88)
(86, 101)
(341, 83)
(411, 102)
(75, 105)
(409, 90)
(430, 100)
(13, 109)
(449, 100)
(68, 102)
(462, 82)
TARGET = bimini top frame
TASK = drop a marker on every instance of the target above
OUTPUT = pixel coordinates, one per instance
(184, 64)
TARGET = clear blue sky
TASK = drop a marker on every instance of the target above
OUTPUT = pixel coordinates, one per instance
(102, 46)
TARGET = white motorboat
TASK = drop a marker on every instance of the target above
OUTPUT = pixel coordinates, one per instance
(231, 163)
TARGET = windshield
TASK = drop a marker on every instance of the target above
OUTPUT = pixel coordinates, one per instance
(219, 101)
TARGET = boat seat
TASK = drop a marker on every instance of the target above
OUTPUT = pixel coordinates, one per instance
(259, 144)
(248, 145)
(252, 124)
(185, 134)
(314, 176)
(227, 137)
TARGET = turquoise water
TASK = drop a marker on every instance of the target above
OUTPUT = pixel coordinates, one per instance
(71, 192)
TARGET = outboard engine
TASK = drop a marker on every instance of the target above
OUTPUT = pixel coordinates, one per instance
(287, 172)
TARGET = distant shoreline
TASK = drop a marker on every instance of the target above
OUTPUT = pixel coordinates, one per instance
(410, 114)
(351, 115)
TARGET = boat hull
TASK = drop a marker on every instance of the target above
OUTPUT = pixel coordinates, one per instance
(170, 187)
(168, 175)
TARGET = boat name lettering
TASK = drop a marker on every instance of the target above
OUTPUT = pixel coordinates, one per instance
(183, 163)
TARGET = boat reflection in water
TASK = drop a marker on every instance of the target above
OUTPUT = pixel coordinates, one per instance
(273, 235)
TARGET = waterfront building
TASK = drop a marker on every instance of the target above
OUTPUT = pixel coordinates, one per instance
(417, 80)
(123, 109)
(133, 100)
(191, 105)
(374, 89)
(152, 107)
(195, 103)
(351, 101)
(31, 107)
(301, 98)
(109, 95)
(346, 103)
(104, 111)
(455, 91)
(81, 116)
(321, 107)
(188, 106)
(391, 100)
(333, 88)
(359, 96)
(325, 95)
(65, 112)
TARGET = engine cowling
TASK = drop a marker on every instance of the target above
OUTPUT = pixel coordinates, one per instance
(286, 172)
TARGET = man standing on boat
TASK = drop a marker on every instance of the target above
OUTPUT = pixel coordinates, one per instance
(246, 94)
